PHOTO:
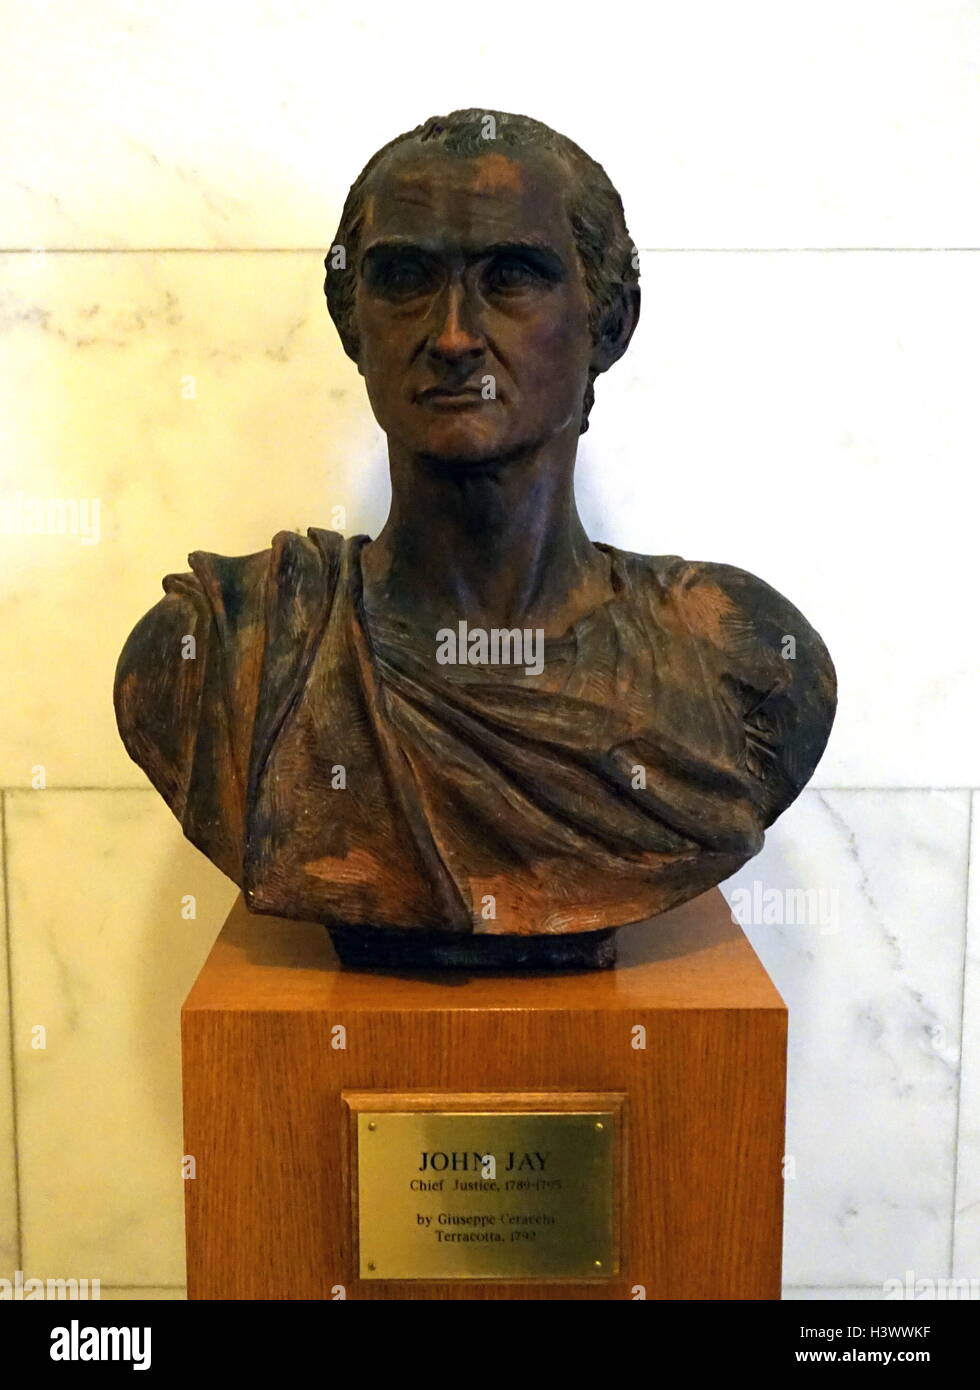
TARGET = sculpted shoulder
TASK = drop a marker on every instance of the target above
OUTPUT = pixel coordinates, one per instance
(772, 668)
(187, 680)
(733, 609)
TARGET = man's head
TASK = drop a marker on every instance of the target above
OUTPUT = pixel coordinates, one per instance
(481, 278)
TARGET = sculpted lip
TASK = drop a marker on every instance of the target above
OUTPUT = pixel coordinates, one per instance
(451, 396)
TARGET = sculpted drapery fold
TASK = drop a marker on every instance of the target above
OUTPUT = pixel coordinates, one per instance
(318, 753)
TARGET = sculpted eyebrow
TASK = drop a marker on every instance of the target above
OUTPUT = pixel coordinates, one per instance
(383, 251)
(539, 254)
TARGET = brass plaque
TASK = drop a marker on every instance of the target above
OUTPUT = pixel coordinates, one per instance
(487, 1194)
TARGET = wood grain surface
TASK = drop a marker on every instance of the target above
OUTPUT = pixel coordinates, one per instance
(269, 1211)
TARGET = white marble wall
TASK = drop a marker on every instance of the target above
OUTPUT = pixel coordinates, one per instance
(799, 400)
(873, 977)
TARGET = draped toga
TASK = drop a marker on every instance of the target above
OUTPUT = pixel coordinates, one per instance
(319, 754)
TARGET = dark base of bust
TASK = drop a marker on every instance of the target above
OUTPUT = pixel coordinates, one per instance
(387, 948)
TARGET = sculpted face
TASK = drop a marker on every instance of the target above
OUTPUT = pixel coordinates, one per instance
(468, 270)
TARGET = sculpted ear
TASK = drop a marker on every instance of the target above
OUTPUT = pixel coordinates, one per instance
(616, 327)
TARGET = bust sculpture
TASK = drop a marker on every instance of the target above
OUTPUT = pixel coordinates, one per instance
(479, 738)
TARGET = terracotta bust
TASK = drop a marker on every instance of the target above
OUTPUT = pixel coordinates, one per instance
(479, 738)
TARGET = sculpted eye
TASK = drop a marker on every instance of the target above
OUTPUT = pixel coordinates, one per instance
(510, 273)
(408, 278)
(401, 276)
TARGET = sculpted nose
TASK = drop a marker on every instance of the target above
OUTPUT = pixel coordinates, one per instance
(456, 335)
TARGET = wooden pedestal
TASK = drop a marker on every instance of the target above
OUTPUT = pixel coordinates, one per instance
(269, 1210)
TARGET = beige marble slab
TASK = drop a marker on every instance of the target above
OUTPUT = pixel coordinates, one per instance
(9, 1240)
(856, 906)
(757, 124)
(202, 402)
(144, 1295)
(102, 959)
(966, 1242)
